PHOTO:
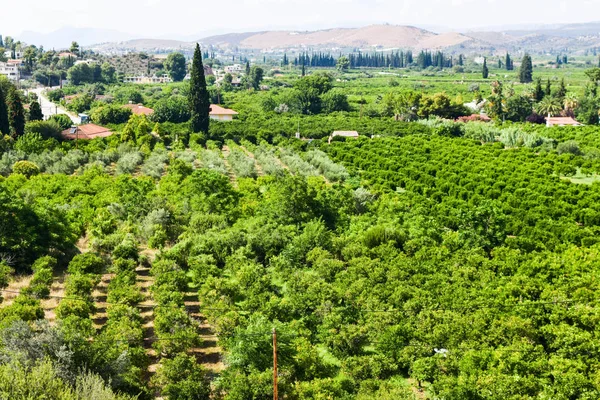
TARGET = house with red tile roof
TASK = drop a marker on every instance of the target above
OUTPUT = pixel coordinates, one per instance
(139, 109)
(221, 114)
(561, 121)
(86, 132)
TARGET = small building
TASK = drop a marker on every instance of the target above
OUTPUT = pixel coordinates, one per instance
(10, 70)
(139, 109)
(345, 134)
(561, 121)
(221, 114)
(142, 79)
(234, 69)
(86, 132)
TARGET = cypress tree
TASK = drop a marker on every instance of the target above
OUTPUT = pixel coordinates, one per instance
(16, 113)
(538, 93)
(247, 68)
(1, 41)
(303, 70)
(4, 124)
(548, 90)
(198, 98)
(486, 72)
(526, 71)
(508, 63)
(562, 90)
(35, 111)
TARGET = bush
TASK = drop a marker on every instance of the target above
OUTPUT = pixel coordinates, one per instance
(174, 109)
(182, 379)
(26, 168)
(47, 129)
(78, 308)
(86, 263)
(30, 143)
(63, 121)
(569, 147)
(111, 114)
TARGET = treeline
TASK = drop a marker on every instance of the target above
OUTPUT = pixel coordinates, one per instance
(315, 60)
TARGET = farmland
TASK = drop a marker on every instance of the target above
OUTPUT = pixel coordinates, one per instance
(435, 256)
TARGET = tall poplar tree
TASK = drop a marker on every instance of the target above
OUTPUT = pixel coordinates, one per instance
(4, 124)
(198, 98)
(526, 71)
(485, 71)
(16, 113)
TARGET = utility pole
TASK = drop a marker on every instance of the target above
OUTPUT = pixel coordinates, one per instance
(275, 395)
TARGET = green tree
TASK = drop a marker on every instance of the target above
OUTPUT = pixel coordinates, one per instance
(485, 71)
(108, 73)
(549, 106)
(176, 66)
(4, 120)
(35, 111)
(26, 168)
(562, 90)
(548, 90)
(526, 71)
(538, 92)
(256, 76)
(16, 113)
(182, 378)
(80, 73)
(343, 64)
(198, 97)
(75, 48)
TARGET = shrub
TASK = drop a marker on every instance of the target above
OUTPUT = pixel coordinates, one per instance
(47, 129)
(78, 308)
(569, 147)
(86, 263)
(63, 121)
(110, 114)
(26, 168)
(30, 143)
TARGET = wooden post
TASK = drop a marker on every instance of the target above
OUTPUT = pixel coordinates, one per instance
(275, 394)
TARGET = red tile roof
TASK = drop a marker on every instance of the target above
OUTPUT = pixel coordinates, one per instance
(86, 132)
(139, 109)
(561, 121)
(218, 110)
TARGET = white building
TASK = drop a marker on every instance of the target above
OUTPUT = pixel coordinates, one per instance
(234, 69)
(11, 71)
(147, 79)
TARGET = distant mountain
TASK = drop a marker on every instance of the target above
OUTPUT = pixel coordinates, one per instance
(62, 38)
(383, 36)
(568, 38)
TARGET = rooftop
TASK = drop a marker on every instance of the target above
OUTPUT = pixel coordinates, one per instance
(86, 132)
(139, 109)
(561, 121)
(218, 110)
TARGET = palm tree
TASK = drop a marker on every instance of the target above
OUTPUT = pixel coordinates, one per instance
(570, 102)
(548, 106)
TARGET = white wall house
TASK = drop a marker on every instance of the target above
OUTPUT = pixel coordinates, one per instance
(234, 69)
(11, 71)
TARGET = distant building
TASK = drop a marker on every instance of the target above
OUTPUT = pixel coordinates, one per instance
(561, 121)
(221, 114)
(10, 70)
(139, 109)
(346, 134)
(234, 69)
(147, 79)
(86, 132)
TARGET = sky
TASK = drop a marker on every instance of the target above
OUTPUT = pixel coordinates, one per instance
(185, 18)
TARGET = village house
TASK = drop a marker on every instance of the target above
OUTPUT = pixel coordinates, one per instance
(561, 121)
(142, 79)
(345, 134)
(139, 109)
(10, 70)
(86, 132)
(221, 114)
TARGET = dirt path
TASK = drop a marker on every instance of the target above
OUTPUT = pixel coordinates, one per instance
(225, 151)
(259, 169)
(209, 354)
(100, 297)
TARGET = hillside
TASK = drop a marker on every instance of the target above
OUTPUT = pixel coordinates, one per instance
(386, 36)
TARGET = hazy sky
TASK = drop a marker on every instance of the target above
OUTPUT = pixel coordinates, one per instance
(160, 18)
